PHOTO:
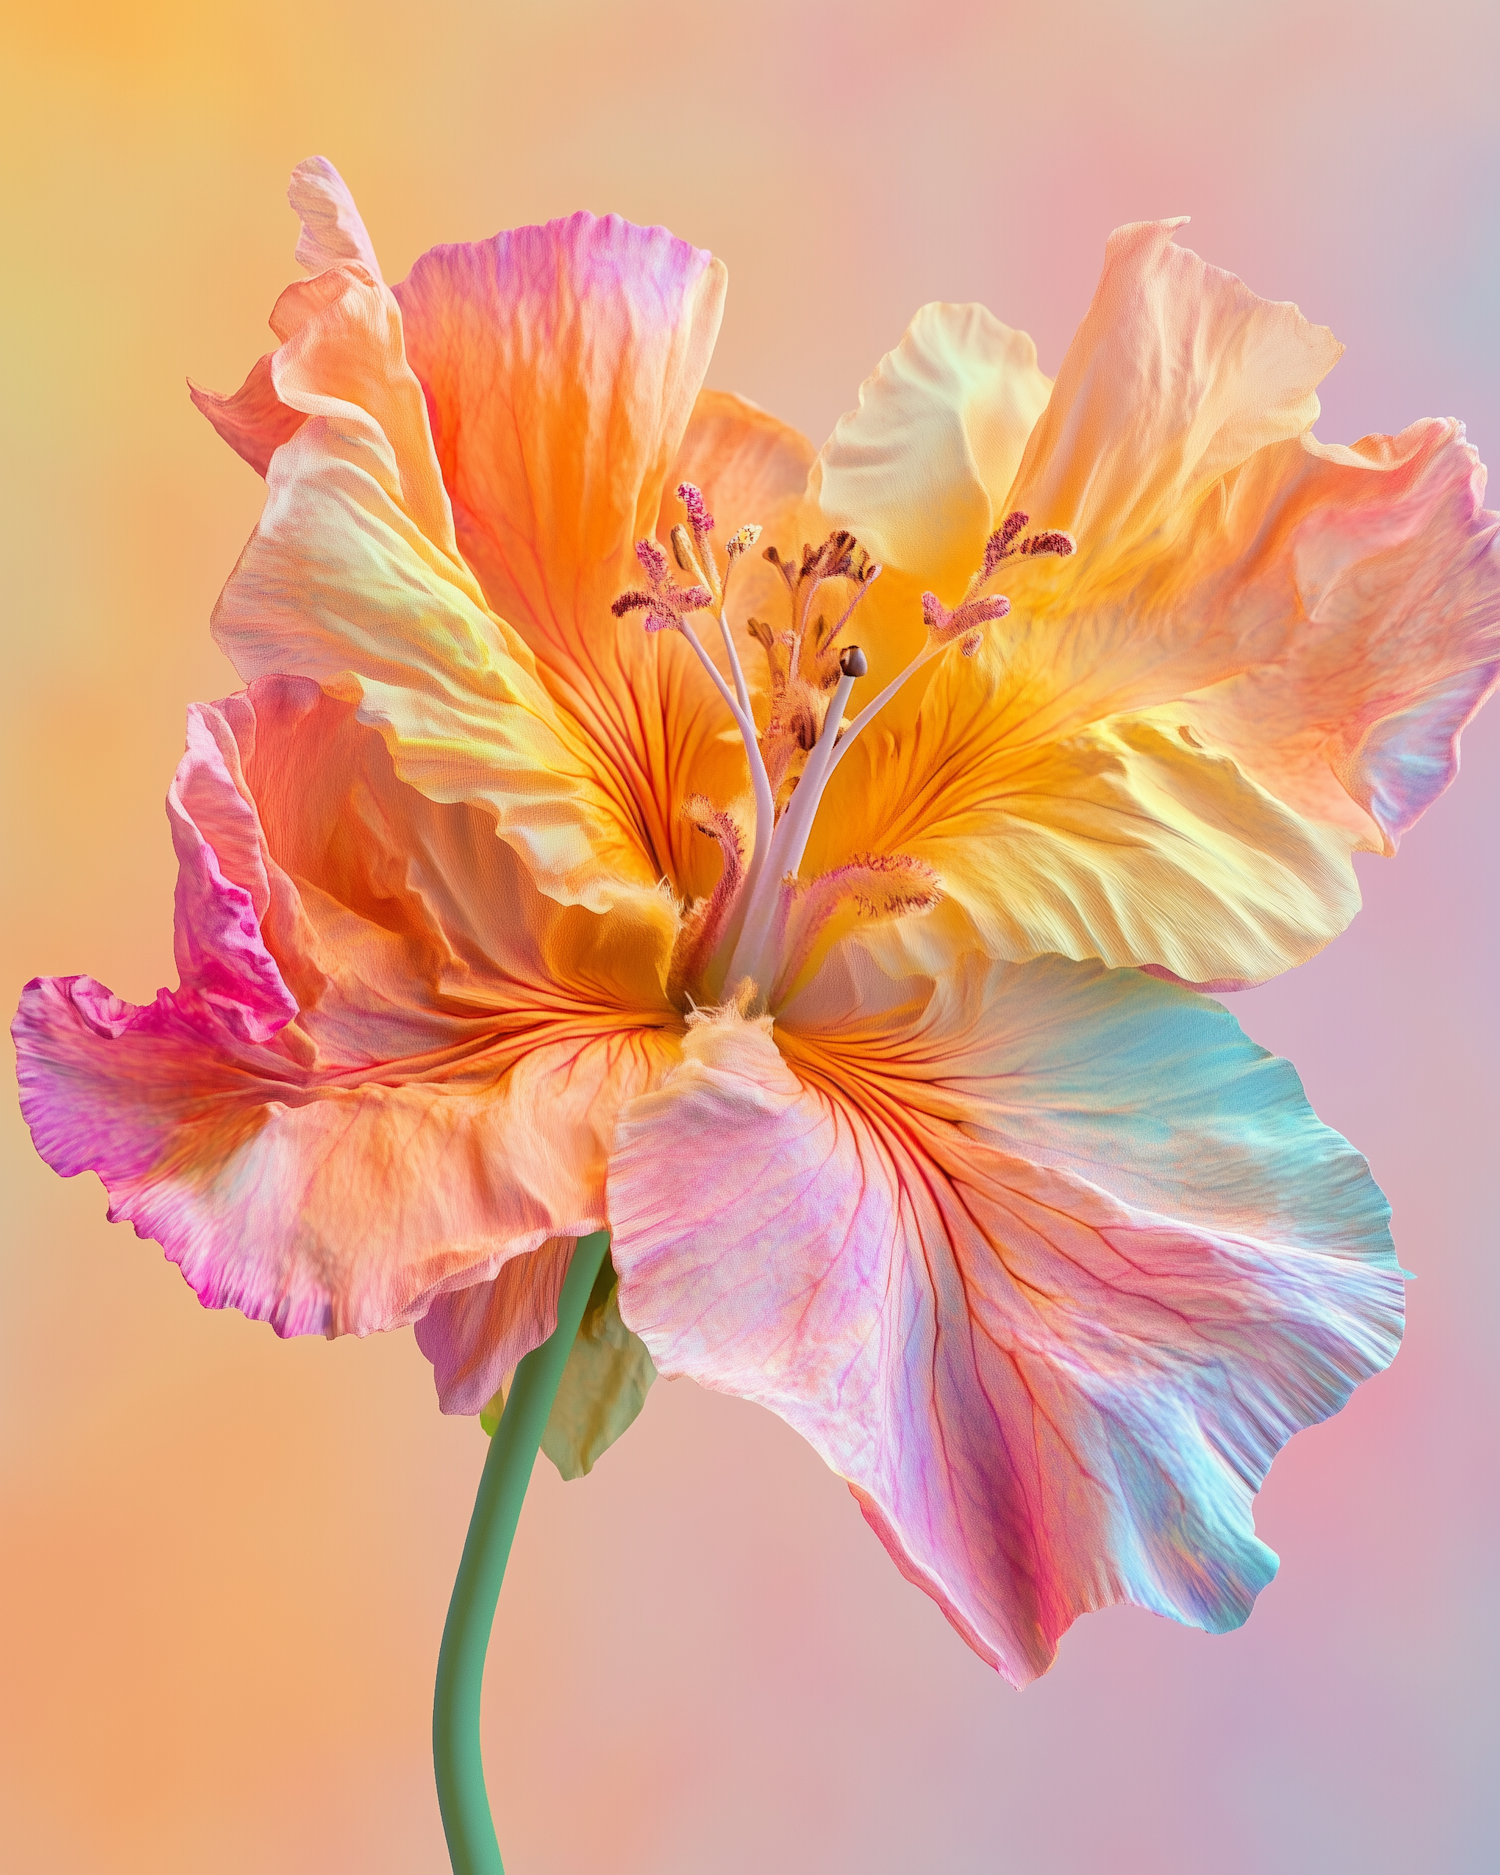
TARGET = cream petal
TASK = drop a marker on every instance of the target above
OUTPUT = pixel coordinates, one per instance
(921, 469)
(1127, 842)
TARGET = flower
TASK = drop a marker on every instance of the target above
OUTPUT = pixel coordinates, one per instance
(520, 898)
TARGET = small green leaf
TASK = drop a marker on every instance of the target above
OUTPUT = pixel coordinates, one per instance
(604, 1384)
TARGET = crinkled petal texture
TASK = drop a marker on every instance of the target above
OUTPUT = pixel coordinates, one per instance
(1257, 662)
(392, 1064)
(1048, 1261)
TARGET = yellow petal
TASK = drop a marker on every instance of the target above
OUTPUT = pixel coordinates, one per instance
(921, 469)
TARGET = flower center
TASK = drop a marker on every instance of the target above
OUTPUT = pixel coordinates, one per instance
(758, 927)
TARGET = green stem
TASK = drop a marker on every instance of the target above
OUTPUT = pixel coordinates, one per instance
(472, 1847)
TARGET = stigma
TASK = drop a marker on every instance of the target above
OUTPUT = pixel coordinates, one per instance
(753, 935)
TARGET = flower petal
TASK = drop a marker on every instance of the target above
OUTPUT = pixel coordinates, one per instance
(333, 230)
(254, 421)
(1052, 1382)
(1311, 640)
(921, 469)
(747, 462)
(1178, 374)
(1125, 842)
(475, 1336)
(392, 1064)
(561, 364)
(1386, 565)
(353, 577)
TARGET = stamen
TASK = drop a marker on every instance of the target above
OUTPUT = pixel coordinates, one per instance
(667, 607)
(760, 915)
(789, 842)
(878, 885)
(1001, 545)
(706, 923)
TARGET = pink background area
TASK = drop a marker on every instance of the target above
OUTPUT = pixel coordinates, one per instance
(226, 1559)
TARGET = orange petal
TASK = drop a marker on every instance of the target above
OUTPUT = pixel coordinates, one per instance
(747, 462)
(353, 577)
(561, 364)
(752, 468)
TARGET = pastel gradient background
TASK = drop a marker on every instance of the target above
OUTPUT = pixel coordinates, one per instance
(226, 1559)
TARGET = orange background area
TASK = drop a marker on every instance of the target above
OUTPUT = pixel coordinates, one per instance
(226, 1559)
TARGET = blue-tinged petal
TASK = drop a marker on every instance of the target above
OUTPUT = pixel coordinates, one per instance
(1047, 1261)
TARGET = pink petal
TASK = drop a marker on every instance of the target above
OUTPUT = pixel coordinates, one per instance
(475, 1336)
(1046, 1394)
(437, 1098)
(333, 231)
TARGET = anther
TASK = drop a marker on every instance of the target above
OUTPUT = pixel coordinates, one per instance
(853, 662)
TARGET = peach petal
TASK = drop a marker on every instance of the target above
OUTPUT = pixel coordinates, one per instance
(252, 420)
(747, 462)
(1178, 374)
(1046, 1395)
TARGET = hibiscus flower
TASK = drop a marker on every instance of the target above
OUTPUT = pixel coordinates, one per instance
(800, 906)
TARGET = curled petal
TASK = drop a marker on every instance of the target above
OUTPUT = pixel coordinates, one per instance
(333, 231)
(475, 1336)
(1046, 1394)
(254, 421)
